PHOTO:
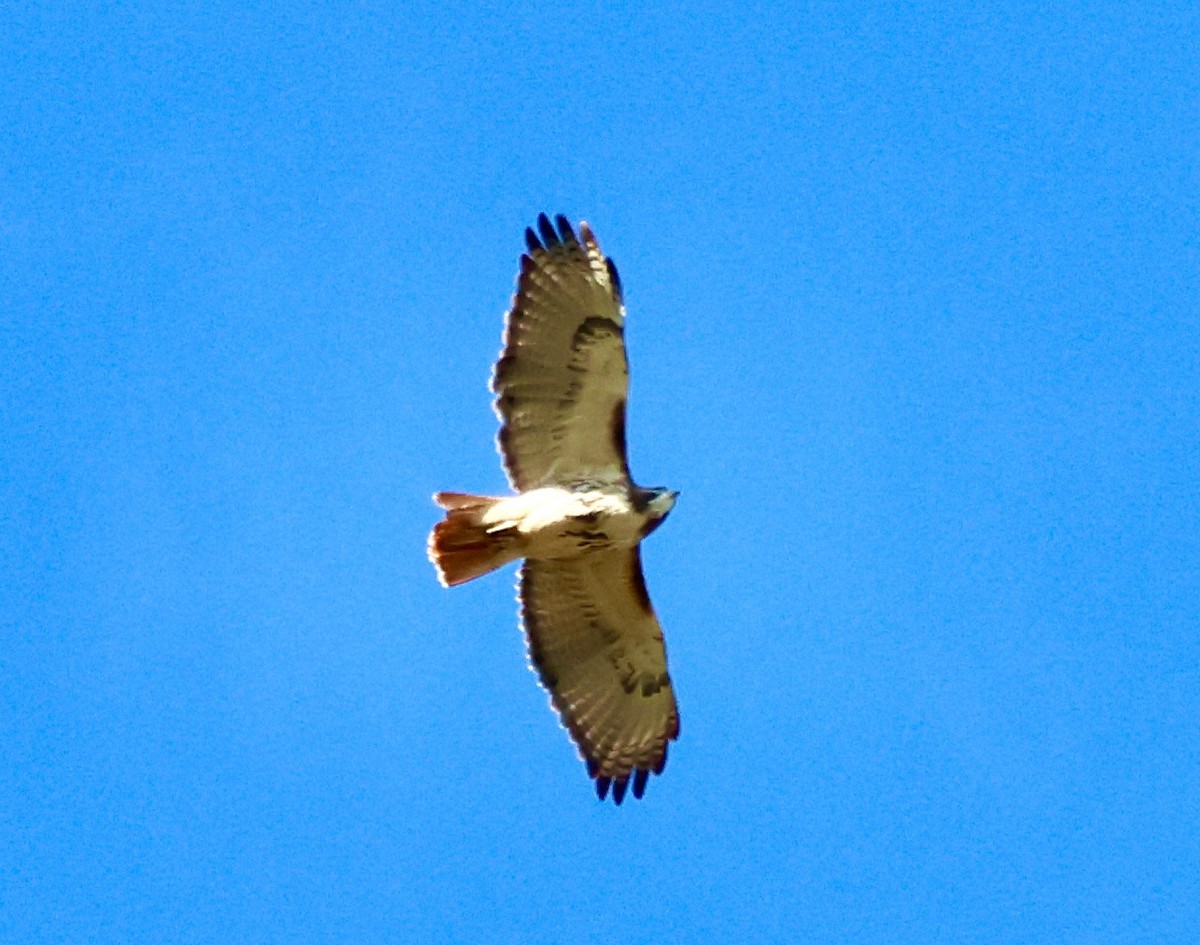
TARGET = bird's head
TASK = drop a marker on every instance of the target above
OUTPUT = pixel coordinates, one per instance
(657, 504)
(661, 502)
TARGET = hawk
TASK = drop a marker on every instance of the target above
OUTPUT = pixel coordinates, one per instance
(578, 518)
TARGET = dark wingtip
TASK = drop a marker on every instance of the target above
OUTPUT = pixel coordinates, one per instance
(615, 278)
(531, 240)
(620, 786)
(662, 762)
(565, 233)
(546, 229)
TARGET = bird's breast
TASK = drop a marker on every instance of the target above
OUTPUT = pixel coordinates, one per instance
(563, 523)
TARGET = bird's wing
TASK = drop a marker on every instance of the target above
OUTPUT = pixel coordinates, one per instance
(562, 378)
(598, 649)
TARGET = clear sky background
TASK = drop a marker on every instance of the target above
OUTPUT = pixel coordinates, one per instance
(914, 322)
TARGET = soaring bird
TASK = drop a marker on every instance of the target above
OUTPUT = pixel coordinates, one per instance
(577, 517)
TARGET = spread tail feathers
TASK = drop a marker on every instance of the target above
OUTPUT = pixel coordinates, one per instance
(461, 546)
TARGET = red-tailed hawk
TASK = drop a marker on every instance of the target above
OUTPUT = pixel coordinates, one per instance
(578, 518)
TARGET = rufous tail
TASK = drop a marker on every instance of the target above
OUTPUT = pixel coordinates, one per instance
(460, 546)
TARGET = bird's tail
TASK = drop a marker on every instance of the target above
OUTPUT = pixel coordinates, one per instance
(463, 546)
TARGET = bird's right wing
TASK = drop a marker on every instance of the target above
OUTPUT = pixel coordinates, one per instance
(562, 379)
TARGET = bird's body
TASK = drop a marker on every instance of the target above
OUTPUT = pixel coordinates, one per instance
(578, 518)
(553, 522)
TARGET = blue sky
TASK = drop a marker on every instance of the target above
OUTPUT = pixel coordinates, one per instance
(914, 323)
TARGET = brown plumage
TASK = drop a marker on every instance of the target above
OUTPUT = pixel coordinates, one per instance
(561, 386)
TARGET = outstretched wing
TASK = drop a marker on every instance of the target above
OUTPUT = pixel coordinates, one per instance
(598, 649)
(562, 378)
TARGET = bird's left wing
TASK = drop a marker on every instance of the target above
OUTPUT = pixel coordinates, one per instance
(597, 647)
